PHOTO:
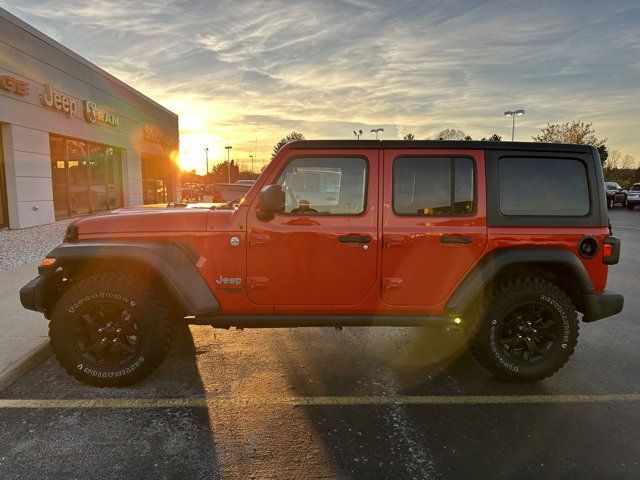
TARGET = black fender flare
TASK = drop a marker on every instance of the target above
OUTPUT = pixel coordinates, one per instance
(173, 263)
(491, 265)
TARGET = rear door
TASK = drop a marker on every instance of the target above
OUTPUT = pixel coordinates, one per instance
(323, 249)
(434, 223)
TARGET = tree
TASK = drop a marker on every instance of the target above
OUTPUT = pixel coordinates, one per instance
(493, 138)
(577, 132)
(219, 173)
(292, 137)
(409, 136)
(619, 161)
(450, 134)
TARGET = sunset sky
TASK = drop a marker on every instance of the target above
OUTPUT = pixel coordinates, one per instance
(235, 71)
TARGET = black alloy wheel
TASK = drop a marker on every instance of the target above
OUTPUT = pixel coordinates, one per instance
(106, 334)
(528, 332)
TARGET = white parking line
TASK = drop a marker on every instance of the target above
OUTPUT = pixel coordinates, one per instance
(136, 403)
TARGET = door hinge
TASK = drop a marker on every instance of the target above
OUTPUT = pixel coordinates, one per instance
(391, 284)
(393, 241)
(257, 283)
(256, 239)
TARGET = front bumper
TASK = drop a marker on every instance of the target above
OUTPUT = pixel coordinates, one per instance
(603, 305)
(33, 295)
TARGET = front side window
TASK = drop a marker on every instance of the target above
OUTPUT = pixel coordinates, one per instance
(433, 186)
(325, 186)
(543, 187)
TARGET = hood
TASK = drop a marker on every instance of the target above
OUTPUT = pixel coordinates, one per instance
(144, 220)
(162, 220)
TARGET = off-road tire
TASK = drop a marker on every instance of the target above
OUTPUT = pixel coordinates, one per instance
(153, 321)
(506, 296)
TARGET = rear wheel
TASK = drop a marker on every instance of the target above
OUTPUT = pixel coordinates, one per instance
(110, 330)
(527, 331)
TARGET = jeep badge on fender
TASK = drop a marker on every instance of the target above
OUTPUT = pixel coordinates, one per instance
(348, 233)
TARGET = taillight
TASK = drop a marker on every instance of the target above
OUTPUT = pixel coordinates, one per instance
(611, 250)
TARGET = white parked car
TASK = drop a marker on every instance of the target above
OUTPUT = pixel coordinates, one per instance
(633, 197)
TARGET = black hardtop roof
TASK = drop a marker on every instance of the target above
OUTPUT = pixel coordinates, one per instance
(438, 144)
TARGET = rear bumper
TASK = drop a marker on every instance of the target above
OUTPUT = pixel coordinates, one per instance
(603, 305)
(33, 294)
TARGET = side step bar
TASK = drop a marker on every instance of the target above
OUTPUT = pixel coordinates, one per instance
(291, 321)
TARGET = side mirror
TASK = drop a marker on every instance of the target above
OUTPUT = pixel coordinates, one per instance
(270, 201)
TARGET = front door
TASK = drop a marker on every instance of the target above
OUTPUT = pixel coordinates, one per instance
(322, 250)
(434, 227)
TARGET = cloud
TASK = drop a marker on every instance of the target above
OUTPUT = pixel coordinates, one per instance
(235, 70)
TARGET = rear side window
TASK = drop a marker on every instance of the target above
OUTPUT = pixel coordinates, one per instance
(429, 186)
(543, 187)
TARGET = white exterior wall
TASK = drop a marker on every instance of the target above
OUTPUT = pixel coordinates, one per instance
(29, 56)
(132, 178)
(28, 176)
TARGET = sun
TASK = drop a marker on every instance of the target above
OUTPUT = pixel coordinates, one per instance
(192, 151)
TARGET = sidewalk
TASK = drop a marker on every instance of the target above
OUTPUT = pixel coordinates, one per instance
(24, 340)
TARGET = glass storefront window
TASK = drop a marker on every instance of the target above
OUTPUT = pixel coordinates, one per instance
(87, 177)
(156, 179)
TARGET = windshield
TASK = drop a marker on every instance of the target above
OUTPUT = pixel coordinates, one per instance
(636, 188)
(612, 186)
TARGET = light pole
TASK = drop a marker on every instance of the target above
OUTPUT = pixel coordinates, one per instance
(513, 114)
(251, 157)
(228, 148)
(206, 154)
(357, 133)
(377, 131)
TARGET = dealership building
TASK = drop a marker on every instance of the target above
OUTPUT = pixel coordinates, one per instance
(75, 140)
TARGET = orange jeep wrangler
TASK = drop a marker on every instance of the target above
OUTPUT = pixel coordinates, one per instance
(508, 241)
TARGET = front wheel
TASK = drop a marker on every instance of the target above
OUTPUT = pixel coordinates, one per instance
(110, 330)
(527, 331)
(610, 202)
(631, 206)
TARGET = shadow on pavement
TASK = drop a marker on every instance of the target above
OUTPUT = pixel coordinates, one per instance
(110, 443)
(400, 441)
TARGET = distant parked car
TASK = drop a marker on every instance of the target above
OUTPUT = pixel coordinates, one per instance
(225, 192)
(192, 191)
(633, 197)
(615, 194)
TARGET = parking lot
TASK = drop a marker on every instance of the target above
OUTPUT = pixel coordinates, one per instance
(357, 403)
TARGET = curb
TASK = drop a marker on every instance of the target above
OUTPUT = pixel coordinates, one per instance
(25, 364)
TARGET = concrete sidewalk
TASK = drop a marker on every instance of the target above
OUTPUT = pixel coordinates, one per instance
(24, 340)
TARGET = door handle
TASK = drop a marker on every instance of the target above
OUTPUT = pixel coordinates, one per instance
(354, 239)
(455, 239)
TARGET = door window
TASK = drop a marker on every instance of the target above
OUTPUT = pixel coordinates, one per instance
(325, 186)
(433, 186)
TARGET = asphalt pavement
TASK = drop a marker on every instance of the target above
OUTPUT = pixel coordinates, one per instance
(357, 403)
